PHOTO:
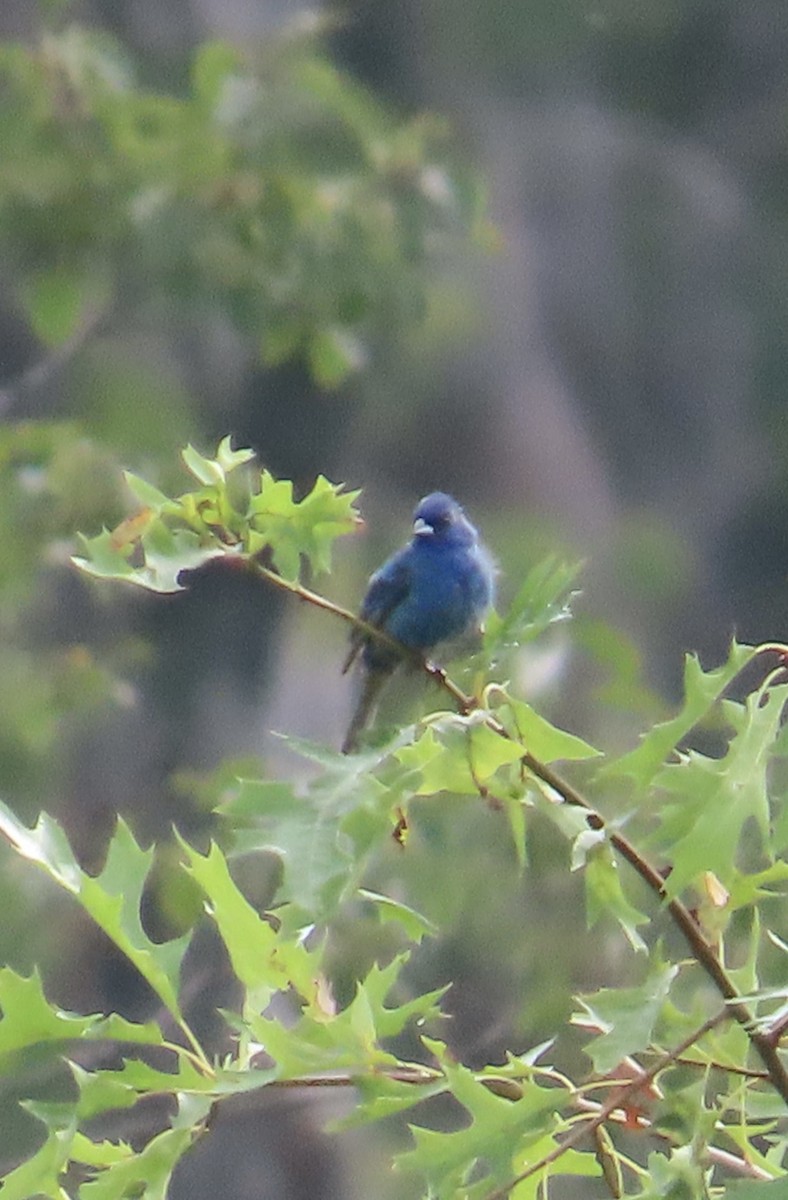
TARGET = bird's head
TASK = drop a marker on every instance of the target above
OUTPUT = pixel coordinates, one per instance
(439, 518)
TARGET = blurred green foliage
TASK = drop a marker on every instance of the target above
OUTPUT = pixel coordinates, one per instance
(271, 183)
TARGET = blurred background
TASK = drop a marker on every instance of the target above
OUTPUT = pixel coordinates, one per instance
(535, 255)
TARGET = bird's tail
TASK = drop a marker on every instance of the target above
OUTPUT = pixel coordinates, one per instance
(365, 706)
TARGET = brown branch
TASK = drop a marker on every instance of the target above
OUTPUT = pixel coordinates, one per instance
(703, 951)
(379, 635)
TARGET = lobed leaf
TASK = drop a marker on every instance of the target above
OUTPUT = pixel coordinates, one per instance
(499, 1129)
(264, 960)
(321, 833)
(543, 599)
(709, 800)
(539, 737)
(605, 895)
(40, 1175)
(323, 1040)
(702, 689)
(112, 899)
(167, 537)
(308, 527)
(382, 1096)
(165, 554)
(145, 1174)
(28, 1019)
(627, 1017)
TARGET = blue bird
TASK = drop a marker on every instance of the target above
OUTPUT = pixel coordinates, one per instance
(436, 588)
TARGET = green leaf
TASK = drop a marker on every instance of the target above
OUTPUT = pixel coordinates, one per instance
(542, 600)
(680, 1175)
(98, 1154)
(571, 1162)
(774, 1189)
(702, 689)
(499, 1128)
(488, 750)
(294, 528)
(146, 493)
(439, 764)
(40, 1175)
(381, 1096)
(169, 552)
(165, 553)
(264, 961)
(605, 895)
(144, 1175)
(321, 834)
(465, 756)
(104, 559)
(100, 1091)
(627, 1017)
(711, 799)
(747, 889)
(324, 1040)
(112, 898)
(415, 925)
(206, 470)
(153, 547)
(541, 739)
(771, 1162)
(229, 459)
(29, 1019)
(372, 993)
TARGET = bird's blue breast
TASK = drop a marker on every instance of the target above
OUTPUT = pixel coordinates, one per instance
(449, 588)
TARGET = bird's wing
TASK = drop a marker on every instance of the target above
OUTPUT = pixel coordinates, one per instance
(387, 588)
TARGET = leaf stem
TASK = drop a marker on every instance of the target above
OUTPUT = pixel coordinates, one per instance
(196, 1054)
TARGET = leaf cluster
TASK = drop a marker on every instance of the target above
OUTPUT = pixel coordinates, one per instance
(686, 1084)
(228, 515)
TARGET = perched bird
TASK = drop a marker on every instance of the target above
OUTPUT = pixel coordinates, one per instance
(436, 588)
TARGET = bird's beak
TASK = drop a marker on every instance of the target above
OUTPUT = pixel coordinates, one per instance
(421, 528)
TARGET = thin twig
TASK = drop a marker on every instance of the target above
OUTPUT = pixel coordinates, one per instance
(713, 1065)
(423, 1076)
(465, 703)
(617, 1100)
(722, 1158)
